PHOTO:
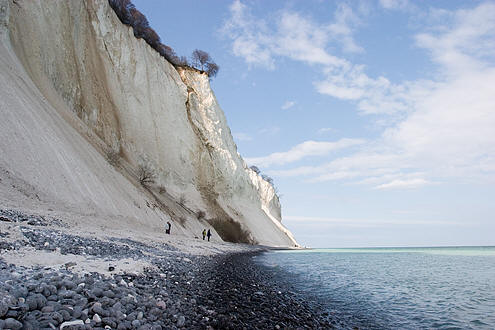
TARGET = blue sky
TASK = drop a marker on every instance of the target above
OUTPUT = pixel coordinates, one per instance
(376, 119)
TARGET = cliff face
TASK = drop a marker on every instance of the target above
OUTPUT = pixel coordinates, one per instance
(90, 91)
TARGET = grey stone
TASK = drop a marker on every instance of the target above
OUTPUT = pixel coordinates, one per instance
(72, 324)
(136, 323)
(99, 310)
(97, 318)
(52, 288)
(20, 292)
(48, 309)
(69, 285)
(66, 294)
(48, 323)
(144, 327)
(117, 306)
(77, 312)
(53, 297)
(12, 324)
(131, 316)
(181, 320)
(27, 325)
(4, 307)
(32, 303)
(56, 316)
(119, 315)
(124, 325)
(110, 321)
(109, 294)
(97, 292)
(36, 301)
(65, 314)
(12, 314)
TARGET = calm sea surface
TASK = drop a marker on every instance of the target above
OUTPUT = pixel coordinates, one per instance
(396, 288)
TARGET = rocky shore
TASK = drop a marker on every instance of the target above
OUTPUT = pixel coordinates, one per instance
(172, 289)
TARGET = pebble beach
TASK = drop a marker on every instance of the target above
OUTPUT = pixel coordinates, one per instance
(54, 278)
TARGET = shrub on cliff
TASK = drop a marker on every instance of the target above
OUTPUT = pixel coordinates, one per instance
(267, 179)
(146, 174)
(255, 169)
(171, 56)
(130, 15)
(122, 9)
(139, 23)
(113, 157)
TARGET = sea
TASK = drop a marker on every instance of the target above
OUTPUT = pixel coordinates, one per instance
(395, 288)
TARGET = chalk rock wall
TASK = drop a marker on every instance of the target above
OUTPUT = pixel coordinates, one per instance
(134, 107)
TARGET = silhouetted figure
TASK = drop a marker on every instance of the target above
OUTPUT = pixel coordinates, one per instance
(204, 234)
(209, 235)
(167, 231)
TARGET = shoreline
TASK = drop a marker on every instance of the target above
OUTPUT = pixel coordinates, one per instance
(54, 276)
(245, 295)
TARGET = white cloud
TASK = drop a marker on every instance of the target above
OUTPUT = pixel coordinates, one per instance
(242, 136)
(435, 129)
(448, 130)
(468, 45)
(300, 151)
(325, 130)
(249, 36)
(302, 39)
(395, 4)
(353, 222)
(343, 28)
(292, 35)
(272, 130)
(288, 105)
(401, 184)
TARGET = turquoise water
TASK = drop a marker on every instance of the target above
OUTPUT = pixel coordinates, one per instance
(396, 288)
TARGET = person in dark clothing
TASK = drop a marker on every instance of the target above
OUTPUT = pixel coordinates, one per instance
(209, 235)
(167, 231)
(204, 234)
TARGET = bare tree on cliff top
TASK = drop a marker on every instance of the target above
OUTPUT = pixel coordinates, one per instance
(201, 60)
(212, 69)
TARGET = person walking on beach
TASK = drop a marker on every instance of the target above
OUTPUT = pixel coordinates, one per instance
(204, 234)
(167, 231)
(209, 235)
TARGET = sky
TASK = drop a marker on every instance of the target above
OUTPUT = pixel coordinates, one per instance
(376, 119)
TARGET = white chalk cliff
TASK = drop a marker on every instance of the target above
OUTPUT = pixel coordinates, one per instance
(84, 105)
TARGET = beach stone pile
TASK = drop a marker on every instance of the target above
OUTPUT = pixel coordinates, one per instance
(43, 298)
(5, 245)
(223, 292)
(51, 240)
(33, 220)
(243, 295)
(178, 290)
(49, 299)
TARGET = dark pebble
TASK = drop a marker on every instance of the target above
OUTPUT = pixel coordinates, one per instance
(13, 324)
(111, 322)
